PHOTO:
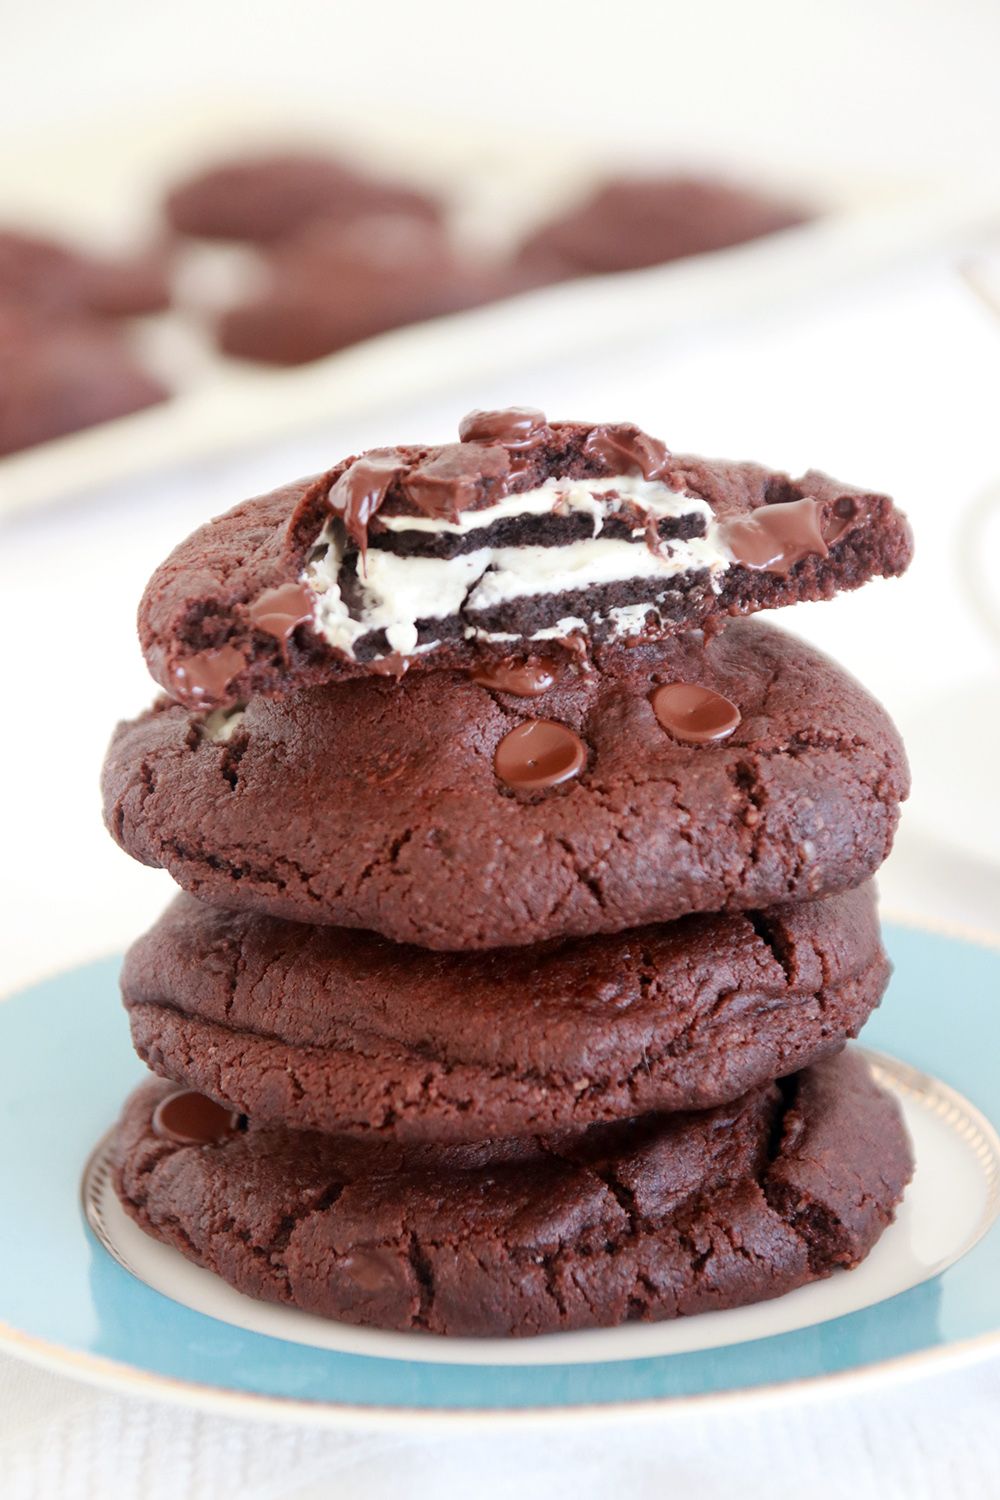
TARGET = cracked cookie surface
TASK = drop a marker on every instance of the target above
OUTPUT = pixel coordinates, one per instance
(643, 1220)
(321, 1028)
(375, 804)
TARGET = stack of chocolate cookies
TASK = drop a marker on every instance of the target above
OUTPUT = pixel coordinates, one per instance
(527, 888)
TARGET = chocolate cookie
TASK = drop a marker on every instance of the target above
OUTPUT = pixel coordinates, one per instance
(58, 376)
(633, 222)
(127, 285)
(263, 198)
(335, 284)
(644, 1220)
(46, 277)
(440, 810)
(320, 1028)
(525, 536)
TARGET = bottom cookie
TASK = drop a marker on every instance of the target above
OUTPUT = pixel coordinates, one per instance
(644, 1219)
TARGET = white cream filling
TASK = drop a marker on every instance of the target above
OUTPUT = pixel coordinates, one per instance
(221, 724)
(520, 572)
(399, 591)
(624, 619)
(627, 619)
(570, 496)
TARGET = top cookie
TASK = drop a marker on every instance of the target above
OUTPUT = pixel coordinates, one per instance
(525, 536)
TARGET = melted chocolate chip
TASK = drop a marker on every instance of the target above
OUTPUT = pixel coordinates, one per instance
(773, 538)
(638, 518)
(524, 679)
(372, 1270)
(626, 449)
(458, 479)
(694, 713)
(205, 676)
(191, 1119)
(393, 665)
(539, 753)
(361, 490)
(516, 427)
(576, 644)
(279, 610)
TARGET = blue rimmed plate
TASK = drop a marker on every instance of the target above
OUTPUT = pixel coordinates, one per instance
(102, 1301)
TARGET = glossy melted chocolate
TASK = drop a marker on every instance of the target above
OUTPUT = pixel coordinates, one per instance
(206, 675)
(539, 753)
(773, 538)
(625, 449)
(515, 427)
(693, 713)
(393, 665)
(458, 479)
(523, 679)
(361, 489)
(279, 610)
(192, 1119)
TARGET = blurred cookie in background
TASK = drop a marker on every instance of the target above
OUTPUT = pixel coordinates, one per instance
(130, 285)
(268, 197)
(335, 284)
(629, 223)
(41, 274)
(58, 375)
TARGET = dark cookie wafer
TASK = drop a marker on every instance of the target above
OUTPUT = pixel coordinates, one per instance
(644, 1220)
(321, 1028)
(378, 804)
(525, 536)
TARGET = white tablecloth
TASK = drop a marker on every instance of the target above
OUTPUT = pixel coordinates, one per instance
(894, 386)
(935, 1440)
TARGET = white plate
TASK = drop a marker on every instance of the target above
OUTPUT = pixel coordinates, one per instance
(950, 1204)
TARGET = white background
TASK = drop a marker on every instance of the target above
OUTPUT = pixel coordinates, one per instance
(894, 384)
(882, 84)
